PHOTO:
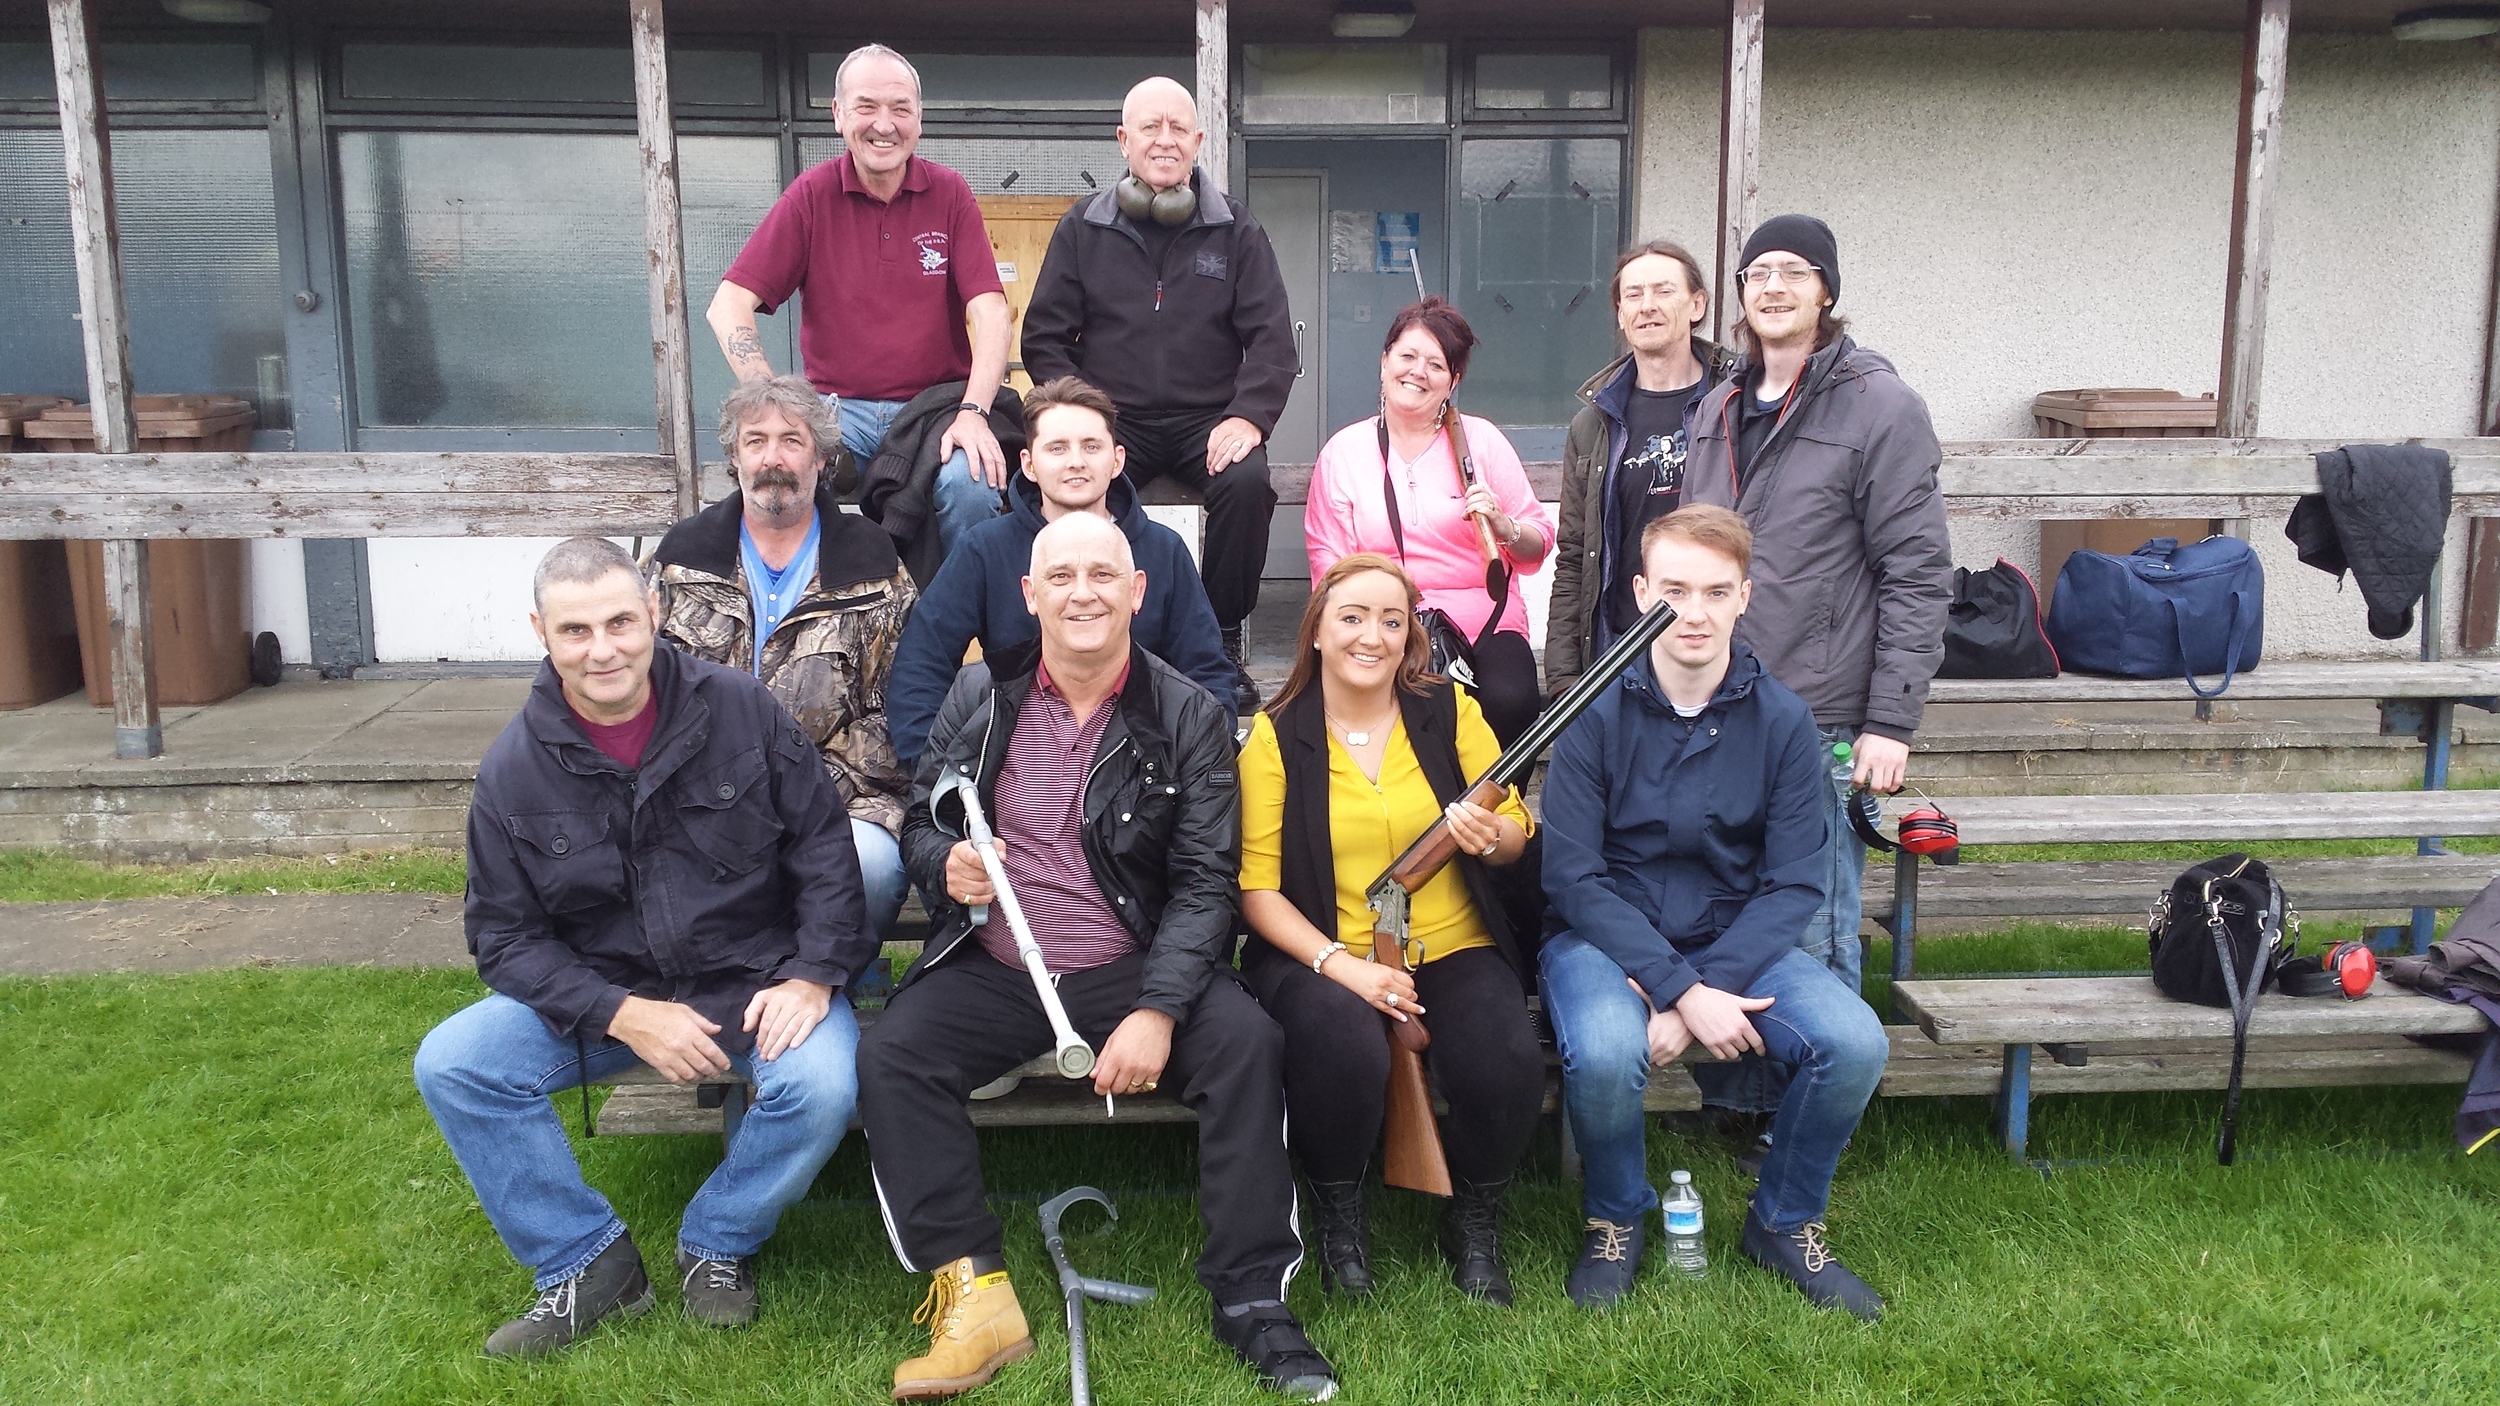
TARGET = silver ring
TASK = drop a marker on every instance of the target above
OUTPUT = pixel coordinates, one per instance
(1488, 849)
(1391, 998)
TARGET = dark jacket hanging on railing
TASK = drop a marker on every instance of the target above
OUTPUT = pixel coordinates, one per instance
(2381, 512)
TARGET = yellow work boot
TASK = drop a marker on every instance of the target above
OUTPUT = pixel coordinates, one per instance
(975, 1327)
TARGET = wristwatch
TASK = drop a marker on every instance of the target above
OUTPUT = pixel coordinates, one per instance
(1331, 950)
(974, 406)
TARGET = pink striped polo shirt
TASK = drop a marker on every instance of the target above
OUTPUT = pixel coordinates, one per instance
(1039, 812)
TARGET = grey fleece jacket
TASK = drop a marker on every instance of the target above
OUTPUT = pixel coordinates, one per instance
(1852, 569)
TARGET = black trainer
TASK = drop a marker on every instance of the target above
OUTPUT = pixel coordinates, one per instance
(1345, 1264)
(613, 1282)
(1266, 1335)
(1245, 690)
(1755, 1154)
(1803, 1258)
(1471, 1239)
(1610, 1259)
(720, 1293)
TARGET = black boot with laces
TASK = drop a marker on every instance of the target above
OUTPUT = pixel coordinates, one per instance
(613, 1282)
(1471, 1239)
(1344, 1241)
(1805, 1259)
(1610, 1259)
(720, 1293)
(1245, 691)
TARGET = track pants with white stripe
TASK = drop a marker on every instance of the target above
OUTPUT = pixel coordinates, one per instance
(974, 1018)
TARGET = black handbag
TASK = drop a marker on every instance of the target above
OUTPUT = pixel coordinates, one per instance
(1993, 629)
(2217, 937)
(1453, 654)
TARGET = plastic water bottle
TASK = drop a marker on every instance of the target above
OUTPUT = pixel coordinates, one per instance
(1684, 1248)
(1844, 766)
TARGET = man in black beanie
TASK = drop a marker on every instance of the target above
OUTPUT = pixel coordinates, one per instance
(1832, 461)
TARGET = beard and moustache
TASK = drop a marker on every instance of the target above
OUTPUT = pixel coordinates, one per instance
(775, 492)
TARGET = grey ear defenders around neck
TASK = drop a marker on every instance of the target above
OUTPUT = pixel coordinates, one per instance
(1139, 201)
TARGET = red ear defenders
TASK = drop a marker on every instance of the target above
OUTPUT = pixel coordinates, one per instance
(1925, 831)
(2346, 969)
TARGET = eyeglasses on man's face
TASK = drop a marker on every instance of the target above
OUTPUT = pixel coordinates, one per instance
(1791, 275)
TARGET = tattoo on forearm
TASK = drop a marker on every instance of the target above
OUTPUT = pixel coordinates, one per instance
(745, 345)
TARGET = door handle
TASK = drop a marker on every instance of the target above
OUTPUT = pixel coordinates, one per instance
(1298, 325)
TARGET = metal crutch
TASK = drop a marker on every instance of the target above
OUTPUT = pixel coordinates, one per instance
(1077, 1288)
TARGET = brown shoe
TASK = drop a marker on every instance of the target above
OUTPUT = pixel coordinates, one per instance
(975, 1327)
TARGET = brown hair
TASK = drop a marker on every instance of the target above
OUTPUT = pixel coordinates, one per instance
(1694, 278)
(1068, 390)
(1445, 325)
(1702, 525)
(1413, 670)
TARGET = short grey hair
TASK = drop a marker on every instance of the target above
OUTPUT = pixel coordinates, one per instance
(578, 561)
(871, 51)
(792, 395)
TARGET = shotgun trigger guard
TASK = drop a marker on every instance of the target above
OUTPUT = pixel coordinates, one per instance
(1388, 900)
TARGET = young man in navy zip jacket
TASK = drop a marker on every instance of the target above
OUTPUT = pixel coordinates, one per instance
(1073, 464)
(1685, 822)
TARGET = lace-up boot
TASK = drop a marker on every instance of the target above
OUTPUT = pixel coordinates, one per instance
(720, 1293)
(613, 1282)
(1344, 1240)
(1805, 1259)
(1610, 1258)
(1471, 1239)
(975, 1327)
(1265, 1334)
(1245, 690)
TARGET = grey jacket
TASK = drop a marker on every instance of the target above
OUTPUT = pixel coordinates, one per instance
(1852, 570)
(1591, 453)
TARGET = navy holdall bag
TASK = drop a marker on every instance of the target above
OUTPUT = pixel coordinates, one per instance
(2162, 611)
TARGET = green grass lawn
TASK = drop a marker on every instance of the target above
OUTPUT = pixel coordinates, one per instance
(222, 1187)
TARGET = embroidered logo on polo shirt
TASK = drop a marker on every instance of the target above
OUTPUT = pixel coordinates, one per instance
(932, 248)
(1210, 264)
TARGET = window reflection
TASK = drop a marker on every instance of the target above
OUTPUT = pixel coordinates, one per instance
(1538, 222)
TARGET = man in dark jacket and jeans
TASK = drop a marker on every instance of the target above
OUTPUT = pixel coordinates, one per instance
(1684, 839)
(1832, 461)
(660, 871)
(1072, 464)
(1623, 462)
(1111, 783)
(1164, 291)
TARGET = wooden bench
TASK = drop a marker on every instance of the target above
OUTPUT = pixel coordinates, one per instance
(2158, 1043)
(2219, 819)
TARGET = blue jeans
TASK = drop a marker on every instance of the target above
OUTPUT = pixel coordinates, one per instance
(1818, 1030)
(960, 501)
(881, 871)
(486, 1073)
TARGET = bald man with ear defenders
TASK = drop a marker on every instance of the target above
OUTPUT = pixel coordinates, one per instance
(1164, 291)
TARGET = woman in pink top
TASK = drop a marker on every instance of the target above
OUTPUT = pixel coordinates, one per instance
(1349, 505)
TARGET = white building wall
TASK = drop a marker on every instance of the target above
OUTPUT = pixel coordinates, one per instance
(2022, 211)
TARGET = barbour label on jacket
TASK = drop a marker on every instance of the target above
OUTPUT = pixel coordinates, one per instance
(827, 663)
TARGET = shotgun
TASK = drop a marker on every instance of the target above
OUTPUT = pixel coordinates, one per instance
(1412, 1156)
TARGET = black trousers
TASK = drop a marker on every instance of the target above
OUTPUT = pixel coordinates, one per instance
(1240, 502)
(1483, 1056)
(1506, 686)
(975, 1018)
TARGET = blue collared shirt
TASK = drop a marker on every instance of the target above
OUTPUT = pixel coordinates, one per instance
(772, 593)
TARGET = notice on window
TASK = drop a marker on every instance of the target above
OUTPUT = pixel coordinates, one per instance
(1394, 236)
(1350, 236)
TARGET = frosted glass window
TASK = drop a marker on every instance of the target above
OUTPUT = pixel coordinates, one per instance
(1006, 165)
(479, 73)
(1018, 82)
(199, 249)
(1545, 82)
(1344, 83)
(1538, 226)
(499, 278)
(140, 73)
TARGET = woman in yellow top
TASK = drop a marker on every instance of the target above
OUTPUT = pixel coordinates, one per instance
(1359, 753)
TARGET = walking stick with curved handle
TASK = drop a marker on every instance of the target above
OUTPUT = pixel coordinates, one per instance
(1074, 1057)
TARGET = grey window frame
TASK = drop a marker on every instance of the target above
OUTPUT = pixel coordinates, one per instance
(1617, 111)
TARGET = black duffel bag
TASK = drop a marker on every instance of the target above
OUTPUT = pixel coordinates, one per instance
(2217, 937)
(1994, 630)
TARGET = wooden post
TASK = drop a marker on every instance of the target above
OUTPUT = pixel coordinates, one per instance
(1740, 155)
(105, 322)
(2253, 181)
(1215, 89)
(664, 242)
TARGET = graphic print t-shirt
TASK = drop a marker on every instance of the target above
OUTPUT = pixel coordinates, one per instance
(1649, 483)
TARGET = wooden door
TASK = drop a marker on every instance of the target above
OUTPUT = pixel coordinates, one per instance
(1020, 227)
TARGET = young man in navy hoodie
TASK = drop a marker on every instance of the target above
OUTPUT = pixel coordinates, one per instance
(1685, 820)
(1072, 465)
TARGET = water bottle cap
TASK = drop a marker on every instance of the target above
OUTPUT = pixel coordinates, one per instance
(1842, 751)
(1680, 1178)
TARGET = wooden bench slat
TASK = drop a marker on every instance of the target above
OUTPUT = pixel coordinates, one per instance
(2078, 888)
(2290, 679)
(2083, 1010)
(2116, 819)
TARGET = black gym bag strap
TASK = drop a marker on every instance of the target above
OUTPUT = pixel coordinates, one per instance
(2243, 1005)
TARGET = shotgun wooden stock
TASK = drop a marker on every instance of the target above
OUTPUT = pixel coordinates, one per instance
(1411, 1155)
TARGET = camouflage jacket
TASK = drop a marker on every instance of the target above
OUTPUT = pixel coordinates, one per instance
(828, 659)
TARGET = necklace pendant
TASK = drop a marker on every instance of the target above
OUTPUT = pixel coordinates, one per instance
(1359, 739)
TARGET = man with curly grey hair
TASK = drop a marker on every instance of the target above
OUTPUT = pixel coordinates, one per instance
(777, 581)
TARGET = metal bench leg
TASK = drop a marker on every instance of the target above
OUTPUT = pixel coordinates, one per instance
(2014, 1102)
(2437, 725)
(1904, 918)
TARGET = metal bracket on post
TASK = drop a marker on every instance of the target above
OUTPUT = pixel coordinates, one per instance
(2014, 1102)
(1904, 922)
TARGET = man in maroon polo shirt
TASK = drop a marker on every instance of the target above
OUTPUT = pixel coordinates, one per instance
(888, 253)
